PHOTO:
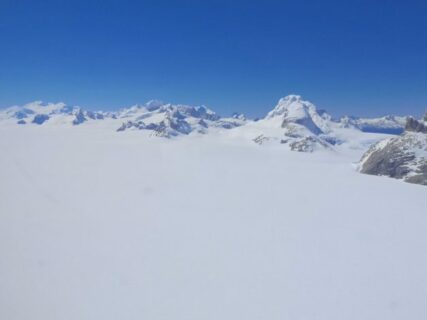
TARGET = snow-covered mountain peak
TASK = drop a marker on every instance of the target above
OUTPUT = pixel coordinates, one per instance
(293, 112)
(296, 122)
(291, 106)
(291, 98)
(154, 104)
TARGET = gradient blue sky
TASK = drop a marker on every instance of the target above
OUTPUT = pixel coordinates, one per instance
(351, 57)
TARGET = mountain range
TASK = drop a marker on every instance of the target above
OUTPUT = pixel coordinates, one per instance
(166, 119)
(396, 145)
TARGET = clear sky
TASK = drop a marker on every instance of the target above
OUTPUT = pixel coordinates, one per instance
(350, 57)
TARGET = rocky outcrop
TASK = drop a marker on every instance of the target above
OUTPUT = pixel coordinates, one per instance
(403, 157)
(79, 117)
(307, 144)
(413, 125)
(40, 118)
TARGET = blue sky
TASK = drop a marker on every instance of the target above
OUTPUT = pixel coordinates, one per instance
(351, 57)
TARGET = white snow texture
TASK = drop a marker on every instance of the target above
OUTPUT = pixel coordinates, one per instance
(100, 224)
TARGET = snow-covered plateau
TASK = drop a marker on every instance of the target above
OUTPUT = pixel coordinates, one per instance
(171, 212)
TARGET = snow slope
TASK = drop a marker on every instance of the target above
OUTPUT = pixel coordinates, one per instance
(99, 224)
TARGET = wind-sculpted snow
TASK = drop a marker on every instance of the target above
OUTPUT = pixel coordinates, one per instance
(97, 224)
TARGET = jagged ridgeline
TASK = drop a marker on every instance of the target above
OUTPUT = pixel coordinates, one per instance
(294, 123)
(161, 119)
(300, 119)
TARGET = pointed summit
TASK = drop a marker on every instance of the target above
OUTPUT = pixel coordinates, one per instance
(292, 110)
(154, 104)
(291, 104)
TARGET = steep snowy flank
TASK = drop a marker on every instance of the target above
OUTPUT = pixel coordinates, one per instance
(403, 157)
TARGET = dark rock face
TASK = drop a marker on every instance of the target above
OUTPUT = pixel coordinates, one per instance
(202, 113)
(177, 124)
(227, 124)
(403, 157)
(203, 123)
(413, 125)
(94, 115)
(23, 113)
(261, 139)
(306, 144)
(40, 118)
(388, 161)
(134, 124)
(166, 128)
(20, 115)
(79, 118)
(420, 177)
